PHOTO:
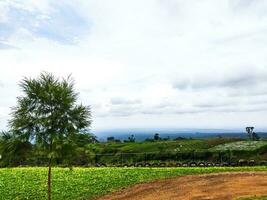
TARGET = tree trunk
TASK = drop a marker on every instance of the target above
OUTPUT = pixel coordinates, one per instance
(49, 179)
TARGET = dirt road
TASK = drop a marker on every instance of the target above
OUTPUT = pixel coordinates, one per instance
(221, 186)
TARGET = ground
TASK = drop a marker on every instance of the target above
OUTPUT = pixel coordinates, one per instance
(90, 183)
(221, 186)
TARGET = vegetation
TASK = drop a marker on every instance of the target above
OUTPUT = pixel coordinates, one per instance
(241, 146)
(87, 151)
(186, 150)
(167, 146)
(87, 183)
(48, 116)
(251, 134)
(49, 128)
(14, 150)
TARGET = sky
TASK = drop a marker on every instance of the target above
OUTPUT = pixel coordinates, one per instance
(143, 64)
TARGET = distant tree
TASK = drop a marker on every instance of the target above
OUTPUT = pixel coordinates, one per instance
(219, 136)
(47, 114)
(82, 139)
(166, 139)
(180, 138)
(156, 137)
(149, 140)
(76, 153)
(249, 131)
(110, 139)
(131, 138)
(255, 136)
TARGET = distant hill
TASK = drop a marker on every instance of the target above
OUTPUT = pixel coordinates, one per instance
(142, 134)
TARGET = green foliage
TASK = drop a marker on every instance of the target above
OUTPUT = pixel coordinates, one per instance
(87, 183)
(13, 151)
(156, 137)
(48, 115)
(110, 139)
(140, 147)
(251, 134)
(130, 139)
(178, 150)
(241, 146)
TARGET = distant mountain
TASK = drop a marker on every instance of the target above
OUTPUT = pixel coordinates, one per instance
(142, 134)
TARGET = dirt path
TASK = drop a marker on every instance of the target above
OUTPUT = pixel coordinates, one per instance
(221, 186)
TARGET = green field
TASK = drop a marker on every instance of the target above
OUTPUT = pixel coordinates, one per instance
(213, 149)
(87, 183)
(241, 146)
(150, 152)
(173, 146)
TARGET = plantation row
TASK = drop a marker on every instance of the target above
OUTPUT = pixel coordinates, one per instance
(244, 157)
(240, 163)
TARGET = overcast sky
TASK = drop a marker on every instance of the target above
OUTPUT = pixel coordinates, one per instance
(143, 63)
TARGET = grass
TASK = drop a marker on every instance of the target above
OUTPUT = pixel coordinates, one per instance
(87, 183)
(241, 146)
(140, 147)
(173, 146)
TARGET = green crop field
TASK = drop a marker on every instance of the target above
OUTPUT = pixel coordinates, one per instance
(87, 183)
(241, 146)
(173, 146)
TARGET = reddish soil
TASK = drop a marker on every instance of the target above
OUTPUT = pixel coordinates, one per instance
(221, 186)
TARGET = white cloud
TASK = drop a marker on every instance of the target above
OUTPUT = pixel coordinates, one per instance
(144, 63)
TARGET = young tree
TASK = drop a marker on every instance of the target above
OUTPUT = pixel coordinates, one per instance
(48, 115)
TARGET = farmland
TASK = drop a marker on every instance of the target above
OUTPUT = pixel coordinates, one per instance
(187, 150)
(87, 183)
(176, 146)
(241, 146)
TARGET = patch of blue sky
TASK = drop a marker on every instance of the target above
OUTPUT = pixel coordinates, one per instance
(6, 46)
(64, 24)
(5, 31)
